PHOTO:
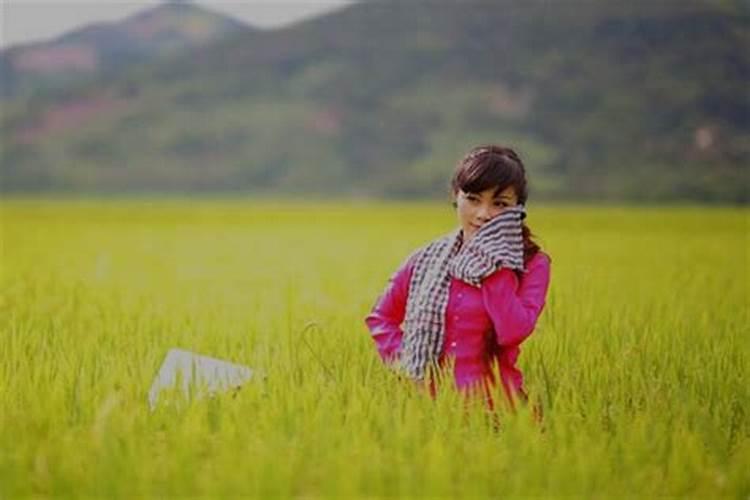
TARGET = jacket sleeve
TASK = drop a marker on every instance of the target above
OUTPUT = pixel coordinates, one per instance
(514, 306)
(384, 321)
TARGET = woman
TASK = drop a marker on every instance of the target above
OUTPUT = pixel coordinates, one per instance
(472, 296)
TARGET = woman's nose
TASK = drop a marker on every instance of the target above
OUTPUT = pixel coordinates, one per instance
(484, 214)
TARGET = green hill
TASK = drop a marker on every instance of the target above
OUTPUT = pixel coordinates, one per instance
(638, 101)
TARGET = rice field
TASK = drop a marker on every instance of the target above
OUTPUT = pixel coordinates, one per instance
(639, 361)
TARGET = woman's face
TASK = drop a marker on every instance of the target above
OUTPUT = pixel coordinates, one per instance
(475, 209)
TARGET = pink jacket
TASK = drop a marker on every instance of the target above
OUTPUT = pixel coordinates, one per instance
(481, 324)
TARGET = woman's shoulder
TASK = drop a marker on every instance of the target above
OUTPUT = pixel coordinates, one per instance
(406, 268)
(539, 259)
(410, 261)
(537, 267)
(537, 270)
(430, 247)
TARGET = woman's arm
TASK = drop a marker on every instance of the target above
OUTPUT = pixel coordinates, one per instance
(514, 306)
(384, 321)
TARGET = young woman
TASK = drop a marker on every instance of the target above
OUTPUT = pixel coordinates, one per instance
(473, 296)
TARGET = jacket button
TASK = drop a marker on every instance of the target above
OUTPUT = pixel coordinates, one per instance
(453, 344)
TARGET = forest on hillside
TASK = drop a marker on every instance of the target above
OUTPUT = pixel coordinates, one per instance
(642, 102)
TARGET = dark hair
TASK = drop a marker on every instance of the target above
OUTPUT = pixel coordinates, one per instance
(485, 167)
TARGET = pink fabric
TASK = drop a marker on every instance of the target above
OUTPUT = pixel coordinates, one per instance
(481, 324)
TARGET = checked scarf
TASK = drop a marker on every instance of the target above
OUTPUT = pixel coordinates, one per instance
(498, 243)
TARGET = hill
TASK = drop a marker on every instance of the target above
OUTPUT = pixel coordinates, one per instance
(638, 101)
(105, 48)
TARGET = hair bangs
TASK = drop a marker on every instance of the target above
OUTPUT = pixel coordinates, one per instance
(487, 173)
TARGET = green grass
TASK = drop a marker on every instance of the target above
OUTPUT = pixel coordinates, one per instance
(640, 358)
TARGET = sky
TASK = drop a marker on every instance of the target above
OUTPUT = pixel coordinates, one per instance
(23, 21)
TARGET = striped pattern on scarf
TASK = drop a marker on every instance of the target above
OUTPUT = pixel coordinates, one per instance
(498, 243)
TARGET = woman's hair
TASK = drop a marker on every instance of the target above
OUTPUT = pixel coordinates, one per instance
(485, 167)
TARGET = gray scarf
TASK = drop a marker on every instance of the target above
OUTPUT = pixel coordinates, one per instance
(497, 243)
